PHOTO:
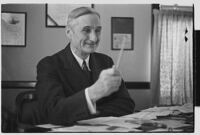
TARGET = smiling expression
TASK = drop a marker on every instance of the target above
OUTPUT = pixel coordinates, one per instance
(85, 34)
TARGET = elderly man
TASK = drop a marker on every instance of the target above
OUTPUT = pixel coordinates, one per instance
(77, 83)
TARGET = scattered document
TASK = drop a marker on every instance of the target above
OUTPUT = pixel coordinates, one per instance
(81, 129)
(173, 123)
(123, 123)
(48, 126)
(142, 115)
(186, 108)
(96, 121)
(120, 122)
(133, 122)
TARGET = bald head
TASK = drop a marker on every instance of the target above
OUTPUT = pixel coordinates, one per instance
(74, 14)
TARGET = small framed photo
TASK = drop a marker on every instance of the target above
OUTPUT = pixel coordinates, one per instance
(13, 29)
(56, 14)
(122, 33)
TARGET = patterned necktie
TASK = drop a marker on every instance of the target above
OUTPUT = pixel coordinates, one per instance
(84, 67)
(87, 73)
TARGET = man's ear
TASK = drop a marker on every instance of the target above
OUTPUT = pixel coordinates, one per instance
(68, 32)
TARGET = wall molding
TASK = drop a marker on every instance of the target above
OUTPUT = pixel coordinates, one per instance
(18, 84)
(137, 85)
(31, 85)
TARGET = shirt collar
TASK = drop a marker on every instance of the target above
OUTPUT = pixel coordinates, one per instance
(80, 61)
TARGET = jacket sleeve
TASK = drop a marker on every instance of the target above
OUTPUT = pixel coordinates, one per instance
(118, 103)
(54, 105)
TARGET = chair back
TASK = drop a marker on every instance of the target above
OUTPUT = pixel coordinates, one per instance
(25, 107)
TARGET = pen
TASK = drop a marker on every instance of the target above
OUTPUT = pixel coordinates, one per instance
(121, 52)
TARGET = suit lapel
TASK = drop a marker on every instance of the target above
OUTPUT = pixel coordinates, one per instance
(95, 67)
(72, 70)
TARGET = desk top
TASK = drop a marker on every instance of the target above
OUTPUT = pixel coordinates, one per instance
(156, 119)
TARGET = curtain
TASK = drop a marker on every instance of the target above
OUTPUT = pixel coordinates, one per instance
(172, 52)
(155, 58)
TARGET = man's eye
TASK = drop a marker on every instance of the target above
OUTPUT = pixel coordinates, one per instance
(98, 30)
(86, 30)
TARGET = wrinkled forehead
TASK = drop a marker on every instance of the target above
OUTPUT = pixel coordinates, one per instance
(90, 20)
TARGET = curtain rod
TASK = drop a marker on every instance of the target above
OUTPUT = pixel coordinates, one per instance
(176, 7)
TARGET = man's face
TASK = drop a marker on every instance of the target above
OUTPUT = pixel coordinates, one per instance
(85, 35)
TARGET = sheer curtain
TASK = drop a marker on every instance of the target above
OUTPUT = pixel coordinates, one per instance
(172, 58)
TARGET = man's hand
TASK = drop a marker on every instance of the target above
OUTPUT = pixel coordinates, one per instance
(108, 82)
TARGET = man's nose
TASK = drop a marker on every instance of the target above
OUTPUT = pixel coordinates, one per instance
(93, 36)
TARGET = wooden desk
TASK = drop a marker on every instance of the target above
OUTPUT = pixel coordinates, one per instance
(174, 119)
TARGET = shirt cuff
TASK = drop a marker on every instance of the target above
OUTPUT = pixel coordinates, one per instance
(91, 105)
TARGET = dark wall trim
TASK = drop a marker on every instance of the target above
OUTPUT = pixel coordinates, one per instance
(31, 85)
(137, 85)
(155, 6)
(196, 67)
(18, 84)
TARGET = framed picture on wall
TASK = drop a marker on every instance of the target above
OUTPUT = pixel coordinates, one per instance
(56, 14)
(13, 29)
(122, 33)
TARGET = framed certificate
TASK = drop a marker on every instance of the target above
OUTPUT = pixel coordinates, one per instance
(122, 29)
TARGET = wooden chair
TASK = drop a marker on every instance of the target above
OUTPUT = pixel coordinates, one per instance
(26, 108)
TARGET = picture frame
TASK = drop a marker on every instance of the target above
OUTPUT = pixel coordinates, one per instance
(13, 29)
(56, 14)
(122, 28)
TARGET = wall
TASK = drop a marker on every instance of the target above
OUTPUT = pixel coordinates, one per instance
(20, 63)
(135, 65)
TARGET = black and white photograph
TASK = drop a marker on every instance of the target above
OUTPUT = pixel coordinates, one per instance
(13, 29)
(99, 68)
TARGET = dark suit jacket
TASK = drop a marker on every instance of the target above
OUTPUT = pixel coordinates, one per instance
(61, 85)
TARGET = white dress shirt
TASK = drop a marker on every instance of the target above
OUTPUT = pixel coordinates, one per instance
(91, 105)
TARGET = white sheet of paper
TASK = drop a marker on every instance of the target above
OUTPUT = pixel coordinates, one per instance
(124, 123)
(186, 108)
(96, 121)
(112, 121)
(142, 115)
(93, 129)
(173, 123)
(81, 129)
(49, 126)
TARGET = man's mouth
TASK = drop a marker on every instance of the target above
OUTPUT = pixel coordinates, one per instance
(91, 44)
